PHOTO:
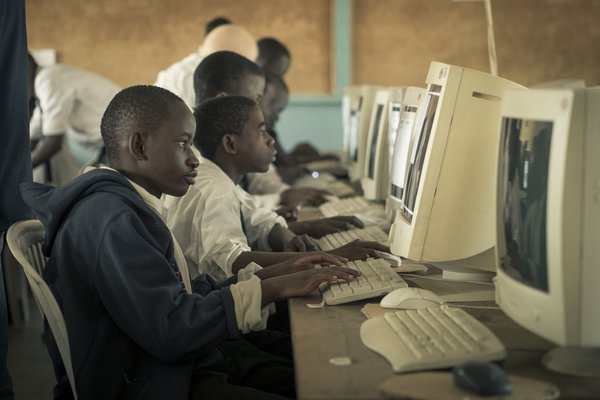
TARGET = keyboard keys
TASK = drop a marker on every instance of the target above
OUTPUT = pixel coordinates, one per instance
(377, 279)
(437, 337)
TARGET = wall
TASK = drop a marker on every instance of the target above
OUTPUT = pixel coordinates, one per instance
(536, 40)
(130, 41)
(333, 42)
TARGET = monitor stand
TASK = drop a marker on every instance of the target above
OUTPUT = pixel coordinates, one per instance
(578, 361)
(455, 273)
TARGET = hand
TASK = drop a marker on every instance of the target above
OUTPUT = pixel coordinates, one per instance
(302, 243)
(303, 196)
(303, 283)
(289, 213)
(359, 250)
(321, 227)
(303, 263)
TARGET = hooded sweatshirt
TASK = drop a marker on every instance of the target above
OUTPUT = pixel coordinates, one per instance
(133, 330)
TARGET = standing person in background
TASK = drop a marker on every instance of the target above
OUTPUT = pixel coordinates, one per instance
(15, 165)
(66, 119)
(179, 77)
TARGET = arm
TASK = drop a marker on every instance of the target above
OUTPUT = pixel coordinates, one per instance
(46, 149)
(321, 227)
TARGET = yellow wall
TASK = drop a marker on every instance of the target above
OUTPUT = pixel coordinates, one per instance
(393, 41)
(129, 41)
(536, 40)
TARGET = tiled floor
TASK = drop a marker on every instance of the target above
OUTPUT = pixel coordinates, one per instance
(28, 361)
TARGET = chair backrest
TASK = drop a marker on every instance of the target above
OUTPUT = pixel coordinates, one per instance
(25, 240)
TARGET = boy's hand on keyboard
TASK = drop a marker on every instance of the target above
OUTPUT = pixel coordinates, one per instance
(359, 250)
(289, 213)
(321, 227)
(303, 283)
(303, 196)
(302, 243)
(307, 262)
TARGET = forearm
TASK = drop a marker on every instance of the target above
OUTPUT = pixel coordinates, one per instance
(279, 237)
(299, 227)
(46, 149)
(262, 258)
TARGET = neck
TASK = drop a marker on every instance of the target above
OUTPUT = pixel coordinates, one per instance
(229, 168)
(136, 177)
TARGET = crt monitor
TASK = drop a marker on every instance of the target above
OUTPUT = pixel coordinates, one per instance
(447, 216)
(349, 97)
(565, 83)
(402, 117)
(360, 115)
(549, 221)
(375, 174)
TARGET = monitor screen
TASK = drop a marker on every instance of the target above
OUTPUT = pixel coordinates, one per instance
(419, 150)
(353, 139)
(525, 162)
(374, 137)
(393, 125)
(404, 140)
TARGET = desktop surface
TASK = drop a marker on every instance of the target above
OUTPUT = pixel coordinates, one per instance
(332, 363)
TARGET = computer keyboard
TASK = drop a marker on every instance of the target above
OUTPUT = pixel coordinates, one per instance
(338, 239)
(347, 206)
(430, 338)
(377, 279)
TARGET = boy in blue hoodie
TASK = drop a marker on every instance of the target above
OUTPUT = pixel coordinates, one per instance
(137, 328)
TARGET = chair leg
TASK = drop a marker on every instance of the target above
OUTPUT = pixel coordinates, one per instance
(17, 293)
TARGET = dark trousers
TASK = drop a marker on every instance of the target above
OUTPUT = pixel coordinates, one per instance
(257, 367)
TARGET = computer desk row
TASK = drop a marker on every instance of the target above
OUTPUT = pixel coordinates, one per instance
(332, 363)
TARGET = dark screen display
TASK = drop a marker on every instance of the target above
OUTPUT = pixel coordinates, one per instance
(524, 163)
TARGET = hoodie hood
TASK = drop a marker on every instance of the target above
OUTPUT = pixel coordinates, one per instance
(51, 205)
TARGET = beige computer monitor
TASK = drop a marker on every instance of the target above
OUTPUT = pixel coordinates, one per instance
(447, 216)
(548, 221)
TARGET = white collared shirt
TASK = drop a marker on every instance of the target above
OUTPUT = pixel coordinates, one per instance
(207, 223)
(72, 102)
(266, 187)
(179, 78)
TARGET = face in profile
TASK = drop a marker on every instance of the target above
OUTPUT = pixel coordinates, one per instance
(256, 148)
(171, 164)
(253, 87)
(272, 104)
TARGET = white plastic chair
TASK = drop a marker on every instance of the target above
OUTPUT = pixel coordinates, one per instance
(25, 240)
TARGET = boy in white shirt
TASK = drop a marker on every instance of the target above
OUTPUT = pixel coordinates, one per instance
(217, 223)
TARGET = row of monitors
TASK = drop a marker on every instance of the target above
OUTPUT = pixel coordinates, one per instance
(487, 175)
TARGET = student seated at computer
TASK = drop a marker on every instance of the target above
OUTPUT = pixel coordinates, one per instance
(217, 223)
(227, 73)
(275, 58)
(136, 328)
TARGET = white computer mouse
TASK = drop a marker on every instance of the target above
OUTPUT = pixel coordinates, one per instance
(411, 297)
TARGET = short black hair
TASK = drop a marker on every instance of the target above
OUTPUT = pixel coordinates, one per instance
(223, 71)
(215, 23)
(218, 117)
(141, 107)
(276, 81)
(270, 49)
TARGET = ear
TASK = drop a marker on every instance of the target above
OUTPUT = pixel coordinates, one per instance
(229, 144)
(137, 146)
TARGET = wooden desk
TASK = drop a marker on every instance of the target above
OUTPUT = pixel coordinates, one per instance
(320, 335)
